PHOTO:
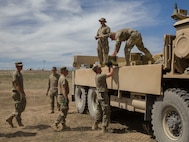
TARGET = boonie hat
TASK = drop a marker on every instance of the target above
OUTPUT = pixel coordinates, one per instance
(102, 20)
(18, 64)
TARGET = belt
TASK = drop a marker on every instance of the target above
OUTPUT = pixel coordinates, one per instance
(54, 88)
(60, 94)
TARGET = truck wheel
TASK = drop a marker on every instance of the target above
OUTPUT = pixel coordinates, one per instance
(80, 99)
(170, 117)
(92, 102)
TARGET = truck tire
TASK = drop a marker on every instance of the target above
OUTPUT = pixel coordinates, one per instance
(92, 102)
(170, 117)
(80, 99)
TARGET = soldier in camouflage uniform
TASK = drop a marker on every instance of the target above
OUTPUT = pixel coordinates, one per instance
(18, 95)
(132, 37)
(52, 88)
(103, 44)
(103, 106)
(63, 91)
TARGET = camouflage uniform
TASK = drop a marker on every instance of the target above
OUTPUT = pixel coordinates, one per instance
(63, 102)
(103, 44)
(19, 99)
(132, 37)
(103, 106)
(53, 90)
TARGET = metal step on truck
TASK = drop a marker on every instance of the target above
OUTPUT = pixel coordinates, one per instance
(160, 91)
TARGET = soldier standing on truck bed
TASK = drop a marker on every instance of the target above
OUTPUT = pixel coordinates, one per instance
(132, 37)
(103, 44)
(18, 95)
(103, 106)
(63, 91)
(52, 88)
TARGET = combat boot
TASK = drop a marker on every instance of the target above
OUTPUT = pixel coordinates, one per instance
(54, 126)
(9, 120)
(19, 121)
(95, 126)
(65, 127)
(52, 112)
(104, 129)
(20, 124)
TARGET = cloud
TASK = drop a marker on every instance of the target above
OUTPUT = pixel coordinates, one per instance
(55, 31)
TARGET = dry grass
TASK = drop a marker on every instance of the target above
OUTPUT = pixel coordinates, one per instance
(32, 79)
(37, 119)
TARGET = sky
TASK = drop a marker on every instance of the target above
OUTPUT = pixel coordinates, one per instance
(46, 33)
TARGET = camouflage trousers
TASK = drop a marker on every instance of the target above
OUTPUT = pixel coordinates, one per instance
(53, 98)
(19, 106)
(103, 50)
(136, 39)
(103, 109)
(64, 107)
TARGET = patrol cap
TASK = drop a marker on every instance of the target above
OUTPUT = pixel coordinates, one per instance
(18, 64)
(63, 68)
(95, 67)
(102, 20)
(53, 68)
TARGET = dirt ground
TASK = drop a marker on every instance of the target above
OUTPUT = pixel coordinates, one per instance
(124, 126)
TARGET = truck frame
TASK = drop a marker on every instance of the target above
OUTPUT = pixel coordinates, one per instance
(160, 91)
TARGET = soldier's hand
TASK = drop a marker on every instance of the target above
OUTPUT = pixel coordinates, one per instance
(101, 36)
(109, 64)
(97, 37)
(17, 102)
(114, 53)
(114, 67)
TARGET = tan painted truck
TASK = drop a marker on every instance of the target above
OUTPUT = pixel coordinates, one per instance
(160, 90)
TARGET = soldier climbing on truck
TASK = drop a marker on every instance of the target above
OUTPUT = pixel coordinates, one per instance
(103, 106)
(132, 37)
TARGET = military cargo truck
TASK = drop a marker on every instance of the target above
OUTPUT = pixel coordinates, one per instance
(160, 91)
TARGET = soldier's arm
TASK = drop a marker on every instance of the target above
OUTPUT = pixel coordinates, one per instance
(97, 35)
(110, 73)
(48, 87)
(107, 32)
(64, 91)
(117, 47)
(18, 89)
